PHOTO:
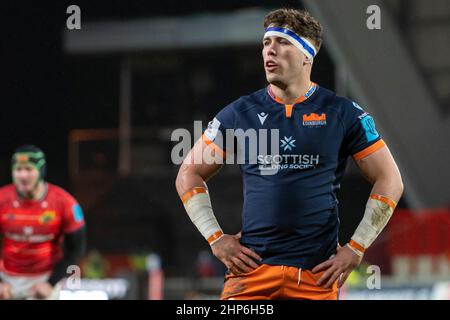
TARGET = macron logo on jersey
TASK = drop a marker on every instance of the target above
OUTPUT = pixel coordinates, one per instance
(262, 117)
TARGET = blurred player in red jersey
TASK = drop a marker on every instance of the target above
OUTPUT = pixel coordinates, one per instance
(43, 230)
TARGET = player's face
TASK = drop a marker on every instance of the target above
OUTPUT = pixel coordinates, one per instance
(25, 178)
(283, 62)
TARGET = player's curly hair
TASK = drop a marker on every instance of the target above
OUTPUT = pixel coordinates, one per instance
(299, 21)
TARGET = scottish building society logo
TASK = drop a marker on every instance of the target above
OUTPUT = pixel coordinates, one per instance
(287, 143)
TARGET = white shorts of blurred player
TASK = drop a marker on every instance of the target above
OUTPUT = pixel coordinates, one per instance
(21, 285)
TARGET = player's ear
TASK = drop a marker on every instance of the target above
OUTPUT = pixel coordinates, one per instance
(306, 60)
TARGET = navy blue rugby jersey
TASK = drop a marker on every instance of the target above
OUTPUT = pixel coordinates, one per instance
(292, 158)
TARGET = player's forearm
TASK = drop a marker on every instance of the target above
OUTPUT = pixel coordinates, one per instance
(188, 179)
(194, 194)
(389, 186)
(73, 249)
(385, 194)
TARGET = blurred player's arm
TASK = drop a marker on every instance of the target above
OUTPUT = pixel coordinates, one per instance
(380, 169)
(5, 289)
(198, 167)
(74, 247)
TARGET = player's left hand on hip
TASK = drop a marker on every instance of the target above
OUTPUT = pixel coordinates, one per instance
(42, 290)
(338, 267)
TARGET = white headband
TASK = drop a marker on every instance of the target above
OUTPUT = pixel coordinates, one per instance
(300, 42)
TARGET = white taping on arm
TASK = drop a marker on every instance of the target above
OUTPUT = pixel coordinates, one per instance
(199, 210)
(376, 216)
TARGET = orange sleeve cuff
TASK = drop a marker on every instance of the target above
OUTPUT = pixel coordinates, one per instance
(355, 245)
(214, 146)
(388, 201)
(216, 235)
(369, 150)
(189, 194)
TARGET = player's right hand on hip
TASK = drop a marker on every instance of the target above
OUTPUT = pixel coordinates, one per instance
(237, 258)
(5, 291)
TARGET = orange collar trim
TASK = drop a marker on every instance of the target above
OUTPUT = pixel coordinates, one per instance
(300, 99)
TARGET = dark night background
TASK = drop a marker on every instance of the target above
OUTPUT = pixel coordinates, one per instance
(40, 100)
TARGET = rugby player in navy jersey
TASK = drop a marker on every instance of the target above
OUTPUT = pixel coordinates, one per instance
(288, 247)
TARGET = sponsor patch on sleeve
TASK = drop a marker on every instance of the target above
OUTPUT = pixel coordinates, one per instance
(213, 128)
(77, 212)
(369, 128)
